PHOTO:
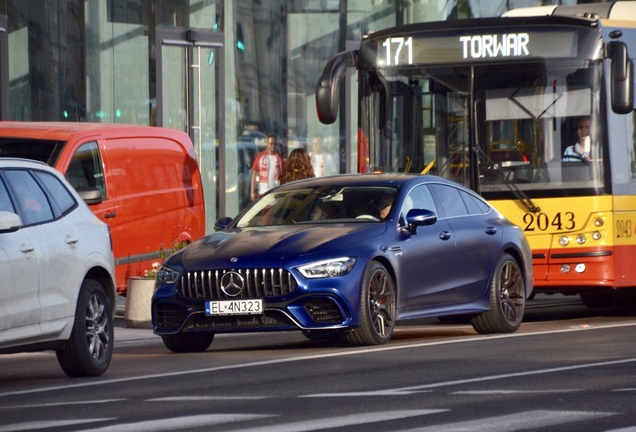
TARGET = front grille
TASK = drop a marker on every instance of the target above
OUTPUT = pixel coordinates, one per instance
(169, 316)
(323, 311)
(257, 283)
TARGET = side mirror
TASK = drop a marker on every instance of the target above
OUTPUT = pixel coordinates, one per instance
(9, 222)
(90, 195)
(328, 87)
(222, 223)
(622, 78)
(419, 217)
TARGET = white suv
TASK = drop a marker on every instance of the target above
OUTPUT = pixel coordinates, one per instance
(57, 286)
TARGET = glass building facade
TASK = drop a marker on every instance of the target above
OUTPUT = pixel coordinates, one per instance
(227, 72)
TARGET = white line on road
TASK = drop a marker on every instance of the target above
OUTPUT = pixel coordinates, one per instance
(178, 423)
(47, 424)
(338, 422)
(411, 389)
(348, 352)
(515, 422)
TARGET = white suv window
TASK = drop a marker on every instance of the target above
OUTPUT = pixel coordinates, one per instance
(5, 199)
(31, 200)
(61, 197)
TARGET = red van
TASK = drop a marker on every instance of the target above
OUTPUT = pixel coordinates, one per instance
(151, 191)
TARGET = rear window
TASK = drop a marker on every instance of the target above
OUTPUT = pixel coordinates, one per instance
(46, 151)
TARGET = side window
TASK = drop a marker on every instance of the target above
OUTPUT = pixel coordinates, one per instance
(86, 168)
(419, 198)
(5, 200)
(32, 203)
(474, 205)
(58, 192)
(451, 200)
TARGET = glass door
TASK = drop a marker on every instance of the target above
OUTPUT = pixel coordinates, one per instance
(189, 95)
(4, 69)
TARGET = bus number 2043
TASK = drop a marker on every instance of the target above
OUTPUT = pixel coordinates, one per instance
(624, 228)
(542, 222)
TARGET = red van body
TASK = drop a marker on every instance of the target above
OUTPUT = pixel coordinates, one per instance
(151, 187)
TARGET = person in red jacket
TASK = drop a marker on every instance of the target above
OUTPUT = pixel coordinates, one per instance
(266, 169)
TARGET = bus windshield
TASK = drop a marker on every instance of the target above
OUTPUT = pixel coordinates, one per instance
(494, 128)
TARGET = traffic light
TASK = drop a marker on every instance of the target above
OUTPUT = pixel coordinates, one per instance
(240, 42)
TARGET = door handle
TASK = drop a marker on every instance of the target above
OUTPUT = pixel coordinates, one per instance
(26, 248)
(110, 215)
(444, 235)
(71, 240)
(491, 230)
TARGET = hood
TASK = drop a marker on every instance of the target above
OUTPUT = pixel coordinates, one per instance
(265, 246)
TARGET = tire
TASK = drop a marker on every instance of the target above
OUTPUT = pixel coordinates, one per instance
(507, 299)
(89, 350)
(377, 307)
(188, 342)
(598, 298)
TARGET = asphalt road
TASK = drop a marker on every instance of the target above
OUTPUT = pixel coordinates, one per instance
(567, 368)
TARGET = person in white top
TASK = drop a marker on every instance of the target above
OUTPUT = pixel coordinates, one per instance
(266, 169)
(581, 150)
(319, 159)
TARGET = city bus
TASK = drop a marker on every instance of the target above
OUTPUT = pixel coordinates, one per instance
(494, 104)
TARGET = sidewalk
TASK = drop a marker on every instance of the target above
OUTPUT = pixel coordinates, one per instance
(125, 333)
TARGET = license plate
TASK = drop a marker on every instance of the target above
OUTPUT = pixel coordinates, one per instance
(234, 307)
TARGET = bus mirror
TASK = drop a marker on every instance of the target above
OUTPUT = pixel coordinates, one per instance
(622, 76)
(328, 87)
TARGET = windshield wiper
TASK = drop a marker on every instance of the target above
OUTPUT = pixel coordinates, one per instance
(518, 193)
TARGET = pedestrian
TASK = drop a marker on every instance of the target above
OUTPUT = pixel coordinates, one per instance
(266, 169)
(298, 166)
(320, 160)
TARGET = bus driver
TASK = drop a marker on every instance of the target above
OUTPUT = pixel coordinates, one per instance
(581, 150)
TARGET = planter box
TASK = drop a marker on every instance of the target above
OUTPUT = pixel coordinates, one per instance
(137, 313)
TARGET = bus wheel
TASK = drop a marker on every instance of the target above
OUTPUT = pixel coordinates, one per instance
(507, 299)
(597, 298)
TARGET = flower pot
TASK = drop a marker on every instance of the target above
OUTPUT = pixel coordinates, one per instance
(137, 313)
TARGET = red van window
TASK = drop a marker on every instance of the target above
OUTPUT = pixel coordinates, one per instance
(86, 169)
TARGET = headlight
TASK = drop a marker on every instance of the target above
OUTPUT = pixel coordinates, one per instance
(166, 275)
(327, 268)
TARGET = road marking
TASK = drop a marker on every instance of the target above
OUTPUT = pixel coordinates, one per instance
(337, 422)
(510, 392)
(46, 405)
(490, 378)
(46, 424)
(515, 422)
(179, 423)
(204, 398)
(346, 353)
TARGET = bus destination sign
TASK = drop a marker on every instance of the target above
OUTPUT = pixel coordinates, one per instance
(397, 51)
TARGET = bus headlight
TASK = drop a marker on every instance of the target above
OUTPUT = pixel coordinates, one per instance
(564, 241)
(596, 235)
(565, 268)
(598, 222)
(580, 239)
(579, 268)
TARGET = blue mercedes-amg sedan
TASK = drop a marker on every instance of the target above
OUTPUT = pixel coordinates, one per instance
(347, 257)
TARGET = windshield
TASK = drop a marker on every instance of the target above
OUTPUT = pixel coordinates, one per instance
(492, 128)
(324, 204)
